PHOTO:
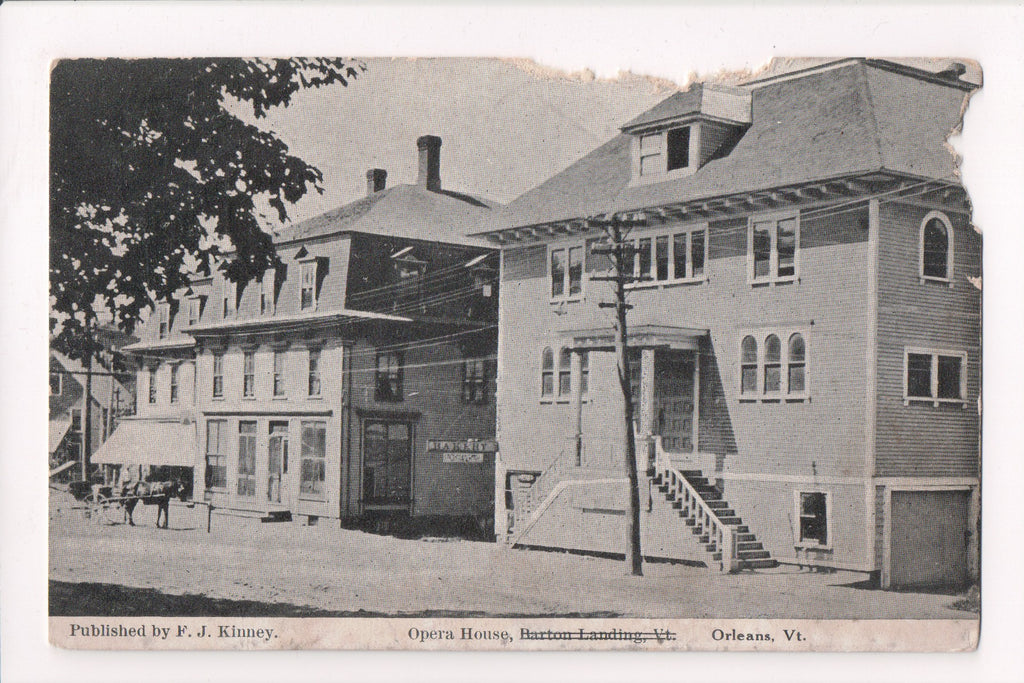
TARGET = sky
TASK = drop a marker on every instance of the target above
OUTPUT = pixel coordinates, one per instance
(506, 125)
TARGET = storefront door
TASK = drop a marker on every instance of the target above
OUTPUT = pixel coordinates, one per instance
(277, 463)
(387, 451)
(675, 398)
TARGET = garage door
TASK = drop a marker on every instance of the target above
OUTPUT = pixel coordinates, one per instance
(930, 531)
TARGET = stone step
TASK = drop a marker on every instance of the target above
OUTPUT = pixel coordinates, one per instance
(758, 564)
(753, 554)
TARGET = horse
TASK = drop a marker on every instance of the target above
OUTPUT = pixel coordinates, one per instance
(157, 493)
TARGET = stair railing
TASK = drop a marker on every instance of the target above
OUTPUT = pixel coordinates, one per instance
(697, 509)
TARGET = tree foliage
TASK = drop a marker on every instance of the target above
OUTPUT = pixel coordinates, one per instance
(149, 171)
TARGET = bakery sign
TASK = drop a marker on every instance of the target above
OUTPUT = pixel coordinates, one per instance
(469, 451)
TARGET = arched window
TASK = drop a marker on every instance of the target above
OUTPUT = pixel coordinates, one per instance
(564, 372)
(547, 373)
(797, 360)
(748, 365)
(936, 247)
(772, 364)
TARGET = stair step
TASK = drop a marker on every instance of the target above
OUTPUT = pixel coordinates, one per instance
(677, 504)
(753, 554)
(744, 537)
(690, 521)
(711, 547)
(716, 556)
(725, 512)
(748, 545)
(759, 564)
(663, 488)
(730, 520)
(742, 529)
(700, 482)
(691, 473)
(717, 504)
(658, 479)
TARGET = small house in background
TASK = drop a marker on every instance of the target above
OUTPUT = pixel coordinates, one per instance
(110, 402)
(804, 332)
(356, 380)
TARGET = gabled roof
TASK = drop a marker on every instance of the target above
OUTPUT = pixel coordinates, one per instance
(101, 379)
(410, 211)
(852, 117)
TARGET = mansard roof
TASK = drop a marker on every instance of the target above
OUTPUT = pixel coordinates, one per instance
(846, 118)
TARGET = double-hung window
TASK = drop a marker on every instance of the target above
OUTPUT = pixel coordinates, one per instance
(934, 376)
(662, 152)
(307, 285)
(389, 377)
(174, 382)
(279, 373)
(164, 312)
(566, 272)
(152, 385)
(474, 381)
(313, 464)
(314, 372)
(216, 454)
(218, 375)
(229, 303)
(249, 374)
(813, 514)
(773, 249)
(666, 257)
(55, 384)
(194, 304)
(547, 373)
(267, 287)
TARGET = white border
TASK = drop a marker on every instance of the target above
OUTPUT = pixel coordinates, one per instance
(667, 41)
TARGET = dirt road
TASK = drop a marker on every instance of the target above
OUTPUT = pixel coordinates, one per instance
(245, 567)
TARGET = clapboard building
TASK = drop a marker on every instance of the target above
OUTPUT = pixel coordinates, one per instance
(356, 379)
(804, 331)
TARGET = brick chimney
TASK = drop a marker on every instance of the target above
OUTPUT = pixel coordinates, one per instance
(429, 147)
(376, 180)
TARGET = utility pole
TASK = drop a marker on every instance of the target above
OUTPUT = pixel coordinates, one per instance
(618, 250)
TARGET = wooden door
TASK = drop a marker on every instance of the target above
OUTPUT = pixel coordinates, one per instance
(675, 400)
(277, 463)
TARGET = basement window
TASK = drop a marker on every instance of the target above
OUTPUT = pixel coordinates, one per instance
(813, 509)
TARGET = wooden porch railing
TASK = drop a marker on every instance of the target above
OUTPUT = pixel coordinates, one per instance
(696, 508)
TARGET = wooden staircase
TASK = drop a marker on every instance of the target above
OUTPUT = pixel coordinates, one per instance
(710, 518)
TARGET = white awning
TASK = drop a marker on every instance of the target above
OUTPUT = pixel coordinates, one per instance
(149, 442)
(58, 428)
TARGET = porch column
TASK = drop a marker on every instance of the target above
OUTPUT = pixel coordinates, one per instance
(646, 398)
(576, 396)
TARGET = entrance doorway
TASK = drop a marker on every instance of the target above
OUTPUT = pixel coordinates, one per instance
(930, 538)
(277, 463)
(675, 400)
(387, 456)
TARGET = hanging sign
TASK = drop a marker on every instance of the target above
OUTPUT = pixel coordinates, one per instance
(468, 451)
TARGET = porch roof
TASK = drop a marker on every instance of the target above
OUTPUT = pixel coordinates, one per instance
(149, 442)
(639, 336)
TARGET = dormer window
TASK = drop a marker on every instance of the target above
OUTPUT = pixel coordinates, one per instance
(194, 310)
(164, 312)
(307, 288)
(665, 152)
(267, 287)
(230, 302)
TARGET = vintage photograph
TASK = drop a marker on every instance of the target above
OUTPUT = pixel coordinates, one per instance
(458, 344)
